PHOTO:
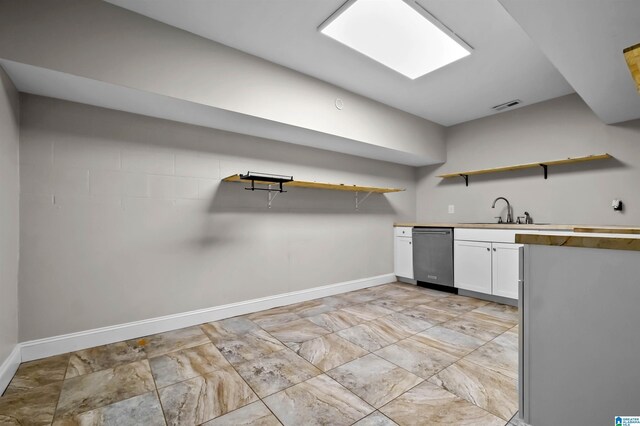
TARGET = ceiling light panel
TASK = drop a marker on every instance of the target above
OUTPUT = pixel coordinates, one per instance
(396, 34)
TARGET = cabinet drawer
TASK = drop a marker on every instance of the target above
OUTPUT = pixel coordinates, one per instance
(489, 235)
(403, 231)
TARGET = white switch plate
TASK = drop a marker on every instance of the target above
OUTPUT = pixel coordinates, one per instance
(452, 209)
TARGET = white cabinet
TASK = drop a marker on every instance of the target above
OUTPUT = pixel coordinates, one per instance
(472, 266)
(403, 252)
(505, 269)
(487, 267)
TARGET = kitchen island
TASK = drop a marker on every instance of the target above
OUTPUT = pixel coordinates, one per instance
(580, 329)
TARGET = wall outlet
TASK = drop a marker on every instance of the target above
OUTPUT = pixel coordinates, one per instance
(452, 209)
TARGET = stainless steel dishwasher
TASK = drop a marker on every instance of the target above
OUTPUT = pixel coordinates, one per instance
(433, 255)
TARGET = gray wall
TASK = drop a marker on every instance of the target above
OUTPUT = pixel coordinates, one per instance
(103, 42)
(9, 218)
(559, 128)
(123, 217)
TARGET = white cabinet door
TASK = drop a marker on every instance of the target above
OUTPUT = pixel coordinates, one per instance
(403, 257)
(472, 266)
(506, 262)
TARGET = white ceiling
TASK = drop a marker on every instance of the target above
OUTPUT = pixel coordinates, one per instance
(584, 39)
(504, 65)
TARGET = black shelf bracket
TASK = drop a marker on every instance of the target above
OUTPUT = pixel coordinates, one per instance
(269, 180)
(544, 167)
(269, 188)
(466, 179)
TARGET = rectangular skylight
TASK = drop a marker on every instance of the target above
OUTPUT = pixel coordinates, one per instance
(395, 34)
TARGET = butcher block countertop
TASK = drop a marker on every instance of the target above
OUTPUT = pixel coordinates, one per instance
(568, 240)
(598, 229)
(609, 243)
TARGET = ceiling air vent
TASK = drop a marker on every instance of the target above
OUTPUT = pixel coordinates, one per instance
(506, 105)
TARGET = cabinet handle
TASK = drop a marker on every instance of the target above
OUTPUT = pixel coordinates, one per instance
(409, 242)
(494, 249)
(488, 249)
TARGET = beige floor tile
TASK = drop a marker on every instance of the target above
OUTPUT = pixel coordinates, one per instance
(493, 391)
(376, 419)
(456, 304)
(254, 414)
(490, 318)
(433, 293)
(310, 308)
(140, 410)
(30, 407)
(336, 320)
(162, 343)
(417, 298)
(318, 401)
(336, 301)
(449, 341)
(500, 355)
(359, 296)
(404, 323)
(428, 404)
(248, 346)
(498, 310)
(102, 357)
(38, 373)
(204, 398)
(105, 387)
(396, 292)
(421, 360)
(374, 379)
(384, 287)
(273, 317)
(367, 311)
(425, 313)
(329, 351)
(373, 335)
(474, 327)
(418, 333)
(228, 329)
(297, 331)
(274, 372)
(185, 364)
(393, 304)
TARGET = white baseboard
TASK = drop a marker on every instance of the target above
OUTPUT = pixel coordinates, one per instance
(8, 367)
(42, 348)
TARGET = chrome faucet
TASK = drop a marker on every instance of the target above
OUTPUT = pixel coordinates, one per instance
(509, 217)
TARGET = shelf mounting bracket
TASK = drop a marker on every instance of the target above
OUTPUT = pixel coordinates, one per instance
(466, 179)
(544, 167)
(359, 202)
(273, 193)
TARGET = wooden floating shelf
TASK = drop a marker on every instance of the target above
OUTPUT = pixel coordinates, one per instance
(632, 56)
(320, 185)
(543, 164)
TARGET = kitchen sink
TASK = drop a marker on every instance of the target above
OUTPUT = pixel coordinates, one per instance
(496, 223)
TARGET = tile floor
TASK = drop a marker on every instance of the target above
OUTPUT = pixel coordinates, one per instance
(394, 354)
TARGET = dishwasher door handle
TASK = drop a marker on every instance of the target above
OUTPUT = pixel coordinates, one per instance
(432, 232)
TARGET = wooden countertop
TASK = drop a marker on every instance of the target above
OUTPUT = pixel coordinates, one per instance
(599, 229)
(580, 241)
